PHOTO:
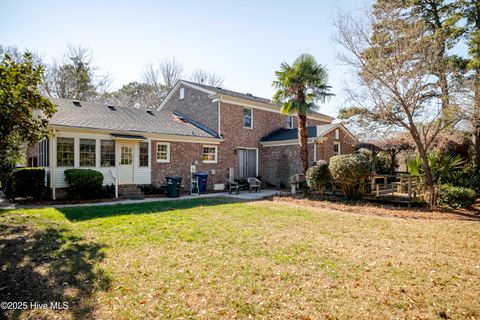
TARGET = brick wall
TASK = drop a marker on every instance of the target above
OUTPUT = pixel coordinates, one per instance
(236, 136)
(325, 149)
(182, 156)
(281, 162)
(196, 104)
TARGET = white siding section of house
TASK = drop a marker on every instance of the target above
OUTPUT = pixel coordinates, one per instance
(60, 176)
(142, 175)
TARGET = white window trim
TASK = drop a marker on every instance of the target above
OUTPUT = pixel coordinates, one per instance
(79, 152)
(216, 153)
(168, 152)
(337, 134)
(292, 124)
(182, 93)
(251, 116)
(339, 148)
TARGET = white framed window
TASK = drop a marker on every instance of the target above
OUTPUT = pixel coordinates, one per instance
(107, 153)
(163, 152)
(87, 152)
(336, 148)
(182, 93)
(210, 154)
(248, 118)
(337, 134)
(126, 155)
(65, 152)
(143, 154)
(289, 122)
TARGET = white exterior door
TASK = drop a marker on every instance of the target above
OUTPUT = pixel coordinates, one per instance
(126, 162)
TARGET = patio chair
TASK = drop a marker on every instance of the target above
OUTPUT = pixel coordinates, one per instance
(233, 186)
(254, 183)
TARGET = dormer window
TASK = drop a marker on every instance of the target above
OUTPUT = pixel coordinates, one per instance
(182, 93)
(248, 118)
(289, 122)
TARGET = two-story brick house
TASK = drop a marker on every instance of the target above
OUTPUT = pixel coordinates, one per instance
(217, 130)
(257, 140)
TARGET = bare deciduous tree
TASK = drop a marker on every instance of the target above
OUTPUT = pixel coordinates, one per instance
(162, 78)
(394, 85)
(207, 77)
(75, 76)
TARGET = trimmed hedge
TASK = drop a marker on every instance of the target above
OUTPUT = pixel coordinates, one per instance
(351, 172)
(27, 182)
(84, 183)
(318, 176)
(456, 197)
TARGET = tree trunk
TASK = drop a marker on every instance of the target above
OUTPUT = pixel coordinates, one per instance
(426, 166)
(476, 118)
(445, 96)
(428, 178)
(476, 111)
(393, 159)
(303, 139)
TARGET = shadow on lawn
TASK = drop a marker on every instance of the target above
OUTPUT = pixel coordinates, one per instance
(49, 265)
(94, 212)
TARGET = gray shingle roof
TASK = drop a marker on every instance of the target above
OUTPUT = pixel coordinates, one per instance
(99, 116)
(240, 95)
(290, 134)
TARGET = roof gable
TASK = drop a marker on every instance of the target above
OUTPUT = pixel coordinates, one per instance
(313, 132)
(211, 90)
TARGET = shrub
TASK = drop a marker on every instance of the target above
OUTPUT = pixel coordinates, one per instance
(84, 183)
(108, 191)
(27, 182)
(383, 164)
(152, 189)
(318, 176)
(456, 197)
(351, 172)
(469, 177)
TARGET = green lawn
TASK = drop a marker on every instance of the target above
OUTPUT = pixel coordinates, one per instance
(212, 258)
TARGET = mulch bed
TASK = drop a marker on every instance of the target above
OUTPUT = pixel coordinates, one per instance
(367, 208)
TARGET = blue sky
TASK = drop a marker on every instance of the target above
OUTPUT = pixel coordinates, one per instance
(244, 41)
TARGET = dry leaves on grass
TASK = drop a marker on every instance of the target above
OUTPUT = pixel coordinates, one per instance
(384, 210)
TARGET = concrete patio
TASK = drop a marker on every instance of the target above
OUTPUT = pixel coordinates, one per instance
(244, 195)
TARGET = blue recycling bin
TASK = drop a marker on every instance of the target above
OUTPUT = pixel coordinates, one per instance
(202, 178)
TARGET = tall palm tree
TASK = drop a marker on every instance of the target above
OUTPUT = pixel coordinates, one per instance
(299, 87)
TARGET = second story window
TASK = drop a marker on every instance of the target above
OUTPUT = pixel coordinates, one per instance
(182, 93)
(289, 122)
(248, 118)
(336, 148)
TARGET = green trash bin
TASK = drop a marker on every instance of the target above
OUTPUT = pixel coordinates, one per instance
(173, 186)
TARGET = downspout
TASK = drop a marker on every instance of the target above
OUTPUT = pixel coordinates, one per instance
(53, 161)
(219, 123)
